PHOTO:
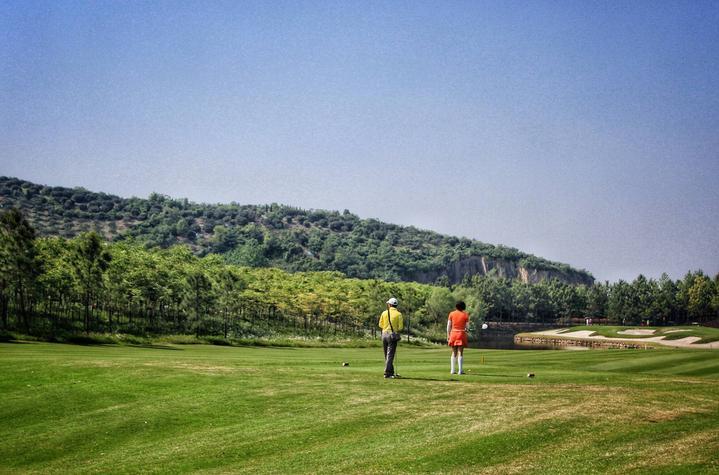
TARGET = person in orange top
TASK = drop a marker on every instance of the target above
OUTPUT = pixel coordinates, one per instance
(457, 328)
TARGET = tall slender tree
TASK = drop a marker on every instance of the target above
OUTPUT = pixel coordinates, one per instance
(667, 300)
(89, 262)
(700, 299)
(19, 265)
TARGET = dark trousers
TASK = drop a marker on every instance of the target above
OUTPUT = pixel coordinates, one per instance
(389, 347)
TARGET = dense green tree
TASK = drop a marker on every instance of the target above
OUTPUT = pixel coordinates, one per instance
(494, 297)
(224, 239)
(89, 261)
(199, 297)
(620, 306)
(229, 284)
(700, 296)
(715, 298)
(597, 300)
(521, 302)
(19, 265)
(666, 300)
(250, 254)
(439, 304)
(571, 300)
(682, 295)
(57, 279)
(541, 305)
(645, 293)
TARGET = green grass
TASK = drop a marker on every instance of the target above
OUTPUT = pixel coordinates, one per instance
(217, 409)
(707, 334)
(281, 340)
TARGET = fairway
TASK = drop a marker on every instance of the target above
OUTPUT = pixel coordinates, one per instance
(214, 409)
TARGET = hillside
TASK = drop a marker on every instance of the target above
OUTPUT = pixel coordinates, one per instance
(278, 236)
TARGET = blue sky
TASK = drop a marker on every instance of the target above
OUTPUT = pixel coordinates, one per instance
(583, 132)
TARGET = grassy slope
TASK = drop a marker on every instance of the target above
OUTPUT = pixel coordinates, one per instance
(707, 334)
(218, 409)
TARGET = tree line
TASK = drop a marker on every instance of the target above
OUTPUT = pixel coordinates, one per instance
(53, 285)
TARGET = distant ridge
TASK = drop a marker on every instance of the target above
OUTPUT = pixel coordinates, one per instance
(279, 236)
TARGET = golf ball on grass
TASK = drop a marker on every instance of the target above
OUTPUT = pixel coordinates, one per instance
(484, 326)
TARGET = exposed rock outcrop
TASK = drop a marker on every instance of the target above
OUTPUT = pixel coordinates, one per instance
(501, 268)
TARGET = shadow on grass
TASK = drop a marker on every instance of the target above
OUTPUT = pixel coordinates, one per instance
(410, 378)
(82, 340)
(491, 375)
(155, 346)
(7, 337)
(85, 340)
(462, 377)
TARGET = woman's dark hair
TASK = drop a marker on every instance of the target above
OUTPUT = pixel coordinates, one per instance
(460, 306)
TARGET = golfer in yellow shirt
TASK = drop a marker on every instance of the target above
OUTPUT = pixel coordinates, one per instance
(391, 324)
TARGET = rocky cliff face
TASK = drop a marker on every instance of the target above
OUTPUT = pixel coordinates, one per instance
(501, 268)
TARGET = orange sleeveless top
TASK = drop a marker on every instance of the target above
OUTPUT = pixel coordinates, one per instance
(458, 337)
(459, 319)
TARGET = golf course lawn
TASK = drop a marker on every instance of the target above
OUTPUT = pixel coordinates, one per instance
(215, 409)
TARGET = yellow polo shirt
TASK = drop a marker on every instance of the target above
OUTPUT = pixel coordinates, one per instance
(397, 322)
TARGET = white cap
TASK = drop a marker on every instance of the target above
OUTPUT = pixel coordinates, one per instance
(392, 301)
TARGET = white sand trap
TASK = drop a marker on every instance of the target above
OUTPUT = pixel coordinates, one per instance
(677, 331)
(637, 331)
(566, 332)
(686, 342)
(580, 334)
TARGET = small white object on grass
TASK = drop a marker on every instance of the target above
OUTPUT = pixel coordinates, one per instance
(530, 375)
(484, 326)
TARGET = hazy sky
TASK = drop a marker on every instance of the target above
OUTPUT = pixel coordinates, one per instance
(583, 132)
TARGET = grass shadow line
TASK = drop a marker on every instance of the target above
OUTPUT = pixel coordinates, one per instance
(155, 346)
(491, 375)
(410, 378)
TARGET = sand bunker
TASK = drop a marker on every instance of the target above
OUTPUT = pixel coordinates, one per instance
(637, 331)
(686, 342)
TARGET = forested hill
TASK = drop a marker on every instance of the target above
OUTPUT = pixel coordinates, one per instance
(278, 236)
